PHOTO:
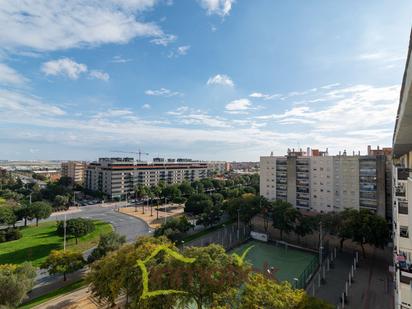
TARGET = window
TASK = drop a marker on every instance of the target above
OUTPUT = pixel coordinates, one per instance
(403, 231)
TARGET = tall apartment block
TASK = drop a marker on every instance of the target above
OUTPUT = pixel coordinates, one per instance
(117, 177)
(74, 170)
(402, 191)
(315, 181)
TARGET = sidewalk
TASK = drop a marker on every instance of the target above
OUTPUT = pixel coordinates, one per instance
(370, 289)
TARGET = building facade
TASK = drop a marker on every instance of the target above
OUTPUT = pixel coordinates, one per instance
(325, 183)
(75, 170)
(117, 177)
(402, 192)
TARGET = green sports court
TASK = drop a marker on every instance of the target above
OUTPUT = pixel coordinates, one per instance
(289, 263)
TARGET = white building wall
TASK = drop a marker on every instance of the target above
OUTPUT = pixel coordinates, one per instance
(268, 177)
(346, 182)
(322, 184)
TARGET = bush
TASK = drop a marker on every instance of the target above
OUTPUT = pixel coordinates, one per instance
(10, 234)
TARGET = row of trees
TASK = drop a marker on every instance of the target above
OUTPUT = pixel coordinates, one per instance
(205, 276)
(10, 213)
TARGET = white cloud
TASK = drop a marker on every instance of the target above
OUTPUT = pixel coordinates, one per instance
(120, 59)
(359, 107)
(53, 25)
(180, 51)
(113, 113)
(164, 39)
(220, 79)
(146, 106)
(179, 111)
(17, 104)
(218, 7)
(384, 56)
(99, 75)
(162, 92)
(238, 106)
(65, 67)
(10, 76)
(264, 96)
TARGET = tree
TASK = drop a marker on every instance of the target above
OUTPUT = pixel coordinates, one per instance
(347, 221)
(76, 227)
(284, 217)
(7, 215)
(207, 184)
(63, 262)
(263, 292)
(65, 181)
(24, 212)
(211, 215)
(171, 192)
(186, 189)
(306, 225)
(117, 273)
(174, 228)
(369, 228)
(217, 198)
(40, 210)
(15, 282)
(197, 203)
(212, 272)
(246, 207)
(198, 187)
(107, 243)
(61, 201)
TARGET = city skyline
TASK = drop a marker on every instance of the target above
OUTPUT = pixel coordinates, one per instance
(208, 79)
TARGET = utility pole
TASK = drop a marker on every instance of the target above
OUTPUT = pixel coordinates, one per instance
(238, 223)
(320, 244)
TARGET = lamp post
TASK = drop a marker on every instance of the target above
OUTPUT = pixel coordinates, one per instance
(64, 235)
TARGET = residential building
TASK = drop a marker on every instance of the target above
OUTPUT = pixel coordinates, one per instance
(74, 170)
(218, 167)
(402, 192)
(117, 177)
(315, 181)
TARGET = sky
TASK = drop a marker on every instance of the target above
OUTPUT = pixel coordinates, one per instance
(204, 79)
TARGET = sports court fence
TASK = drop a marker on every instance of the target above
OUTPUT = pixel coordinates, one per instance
(229, 236)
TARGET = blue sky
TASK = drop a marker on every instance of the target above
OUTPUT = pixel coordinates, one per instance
(207, 79)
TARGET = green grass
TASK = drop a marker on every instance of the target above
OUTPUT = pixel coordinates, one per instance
(37, 242)
(46, 297)
(206, 231)
(290, 263)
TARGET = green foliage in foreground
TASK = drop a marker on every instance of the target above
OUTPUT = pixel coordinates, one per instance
(153, 273)
(15, 282)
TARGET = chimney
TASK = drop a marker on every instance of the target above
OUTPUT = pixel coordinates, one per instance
(344, 152)
(308, 151)
(271, 153)
(353, 153)
(369, 150)
(359, 153)
(339, 152)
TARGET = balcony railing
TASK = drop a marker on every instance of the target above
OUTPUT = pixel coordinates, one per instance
(403, 208)
(403, 173)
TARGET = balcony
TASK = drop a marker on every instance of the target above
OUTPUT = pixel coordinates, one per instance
(403, 173)
(403, 208)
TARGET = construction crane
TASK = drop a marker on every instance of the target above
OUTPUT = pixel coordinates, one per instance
(140, 153)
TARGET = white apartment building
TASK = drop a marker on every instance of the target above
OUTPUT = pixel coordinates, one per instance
(117, 177)
(74, 170)
(325, 183)
(402, 192)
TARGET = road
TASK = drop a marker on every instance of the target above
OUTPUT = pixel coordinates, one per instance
(129, 226)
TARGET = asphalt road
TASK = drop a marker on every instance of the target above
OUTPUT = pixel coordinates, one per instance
(129, 226)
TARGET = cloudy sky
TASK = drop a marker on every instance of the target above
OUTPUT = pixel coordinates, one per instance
(207, 79)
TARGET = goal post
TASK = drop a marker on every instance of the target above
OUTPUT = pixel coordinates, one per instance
(259, 236)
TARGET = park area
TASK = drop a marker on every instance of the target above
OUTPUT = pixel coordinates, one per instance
(37, 242)
(288, 263)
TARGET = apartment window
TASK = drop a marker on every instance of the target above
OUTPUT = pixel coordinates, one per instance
(403, 231)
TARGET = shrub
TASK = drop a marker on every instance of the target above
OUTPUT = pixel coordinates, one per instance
(10, 234)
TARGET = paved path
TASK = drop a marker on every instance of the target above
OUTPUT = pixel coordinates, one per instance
(371, 288)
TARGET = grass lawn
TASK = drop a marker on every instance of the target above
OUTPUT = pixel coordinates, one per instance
(59, 292)
(37, 242)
